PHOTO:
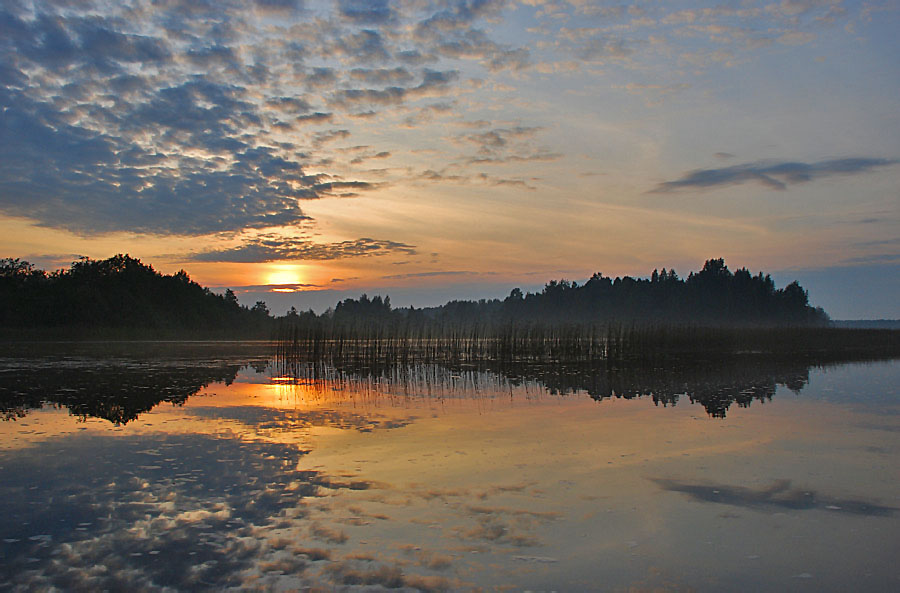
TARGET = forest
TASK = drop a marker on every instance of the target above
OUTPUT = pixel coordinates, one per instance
(120, 296)
(125, 294)
(714, 296)
(714, 310)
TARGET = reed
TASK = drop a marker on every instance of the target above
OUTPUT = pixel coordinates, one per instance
(373, 343)
(717, 382)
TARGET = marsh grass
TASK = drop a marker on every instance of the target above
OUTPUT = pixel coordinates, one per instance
(376, 344)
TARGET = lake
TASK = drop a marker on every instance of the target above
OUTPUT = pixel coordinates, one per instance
(204, 466)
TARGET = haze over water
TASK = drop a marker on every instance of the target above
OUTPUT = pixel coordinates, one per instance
(429, 478)
(463, 221)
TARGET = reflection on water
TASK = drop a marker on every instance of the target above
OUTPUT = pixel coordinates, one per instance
(120, 389)
(125, 512)
(118, 393)
(433, 478)
(778, 495)
(117, 382)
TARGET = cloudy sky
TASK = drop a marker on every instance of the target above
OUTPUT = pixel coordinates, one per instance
(300, 151)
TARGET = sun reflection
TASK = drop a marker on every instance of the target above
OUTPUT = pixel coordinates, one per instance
(279, 393)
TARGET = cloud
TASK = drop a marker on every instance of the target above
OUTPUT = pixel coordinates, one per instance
(181, 118)
(366, 11)
(365, 47)
(773, 174)
(433, 82)
(325, 533)
(364, 157)
(386, 576)
(213, 56)
(83, 180)
(314, 118)
(291, 287)
(163, 119)
(60, 43)
(453, 15)
(880, 258)
(320, 77)
(427, 558)
(186, 118)
(598, 49)
(327, 136)
(278, 6)
(382, 75)
(475, 45)
(537, 157)
(427, 113)
(271, 247)
(428, 274)
(413, 57)
(289, 104)
(350, 97)
(113, 129)
(480, 178)
(497, 139)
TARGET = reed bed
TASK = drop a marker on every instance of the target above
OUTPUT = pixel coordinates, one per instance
(717, 373)
(374, 344)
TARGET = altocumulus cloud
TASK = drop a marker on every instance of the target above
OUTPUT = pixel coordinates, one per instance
(773, 174)
(269, 247)
(172, 117)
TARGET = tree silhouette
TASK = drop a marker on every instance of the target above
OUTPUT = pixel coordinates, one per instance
(122, 293)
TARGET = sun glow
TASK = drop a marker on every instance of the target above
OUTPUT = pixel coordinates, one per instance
(284, 276)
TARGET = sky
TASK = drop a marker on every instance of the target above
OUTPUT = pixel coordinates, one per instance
(300, 152)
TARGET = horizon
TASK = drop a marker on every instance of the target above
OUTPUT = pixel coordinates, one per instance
(304, 152)
(319, 301)
(841, 300)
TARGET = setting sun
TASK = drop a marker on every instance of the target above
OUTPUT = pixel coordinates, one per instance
(284, 276)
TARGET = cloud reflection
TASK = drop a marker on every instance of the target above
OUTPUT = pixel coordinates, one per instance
(778, 495)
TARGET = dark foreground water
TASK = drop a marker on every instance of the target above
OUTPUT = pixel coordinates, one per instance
(202, 467)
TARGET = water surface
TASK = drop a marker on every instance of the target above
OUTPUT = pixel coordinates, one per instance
(204, 467)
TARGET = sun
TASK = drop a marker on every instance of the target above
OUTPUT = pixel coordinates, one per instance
(284, 275)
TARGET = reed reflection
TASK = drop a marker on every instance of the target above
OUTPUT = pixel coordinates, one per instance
(120, 391)
(716, 387)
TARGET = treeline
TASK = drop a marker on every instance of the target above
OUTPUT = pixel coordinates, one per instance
(123, 294)
(711, 311)
(120, 294)
(714, 296)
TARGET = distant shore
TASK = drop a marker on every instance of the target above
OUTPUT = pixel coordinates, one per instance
(866, 323)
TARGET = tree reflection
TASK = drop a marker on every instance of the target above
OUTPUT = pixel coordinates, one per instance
(121, 389)
(716, 385)
(112, 392)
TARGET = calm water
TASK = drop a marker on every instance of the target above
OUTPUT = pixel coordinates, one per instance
(201, 467)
